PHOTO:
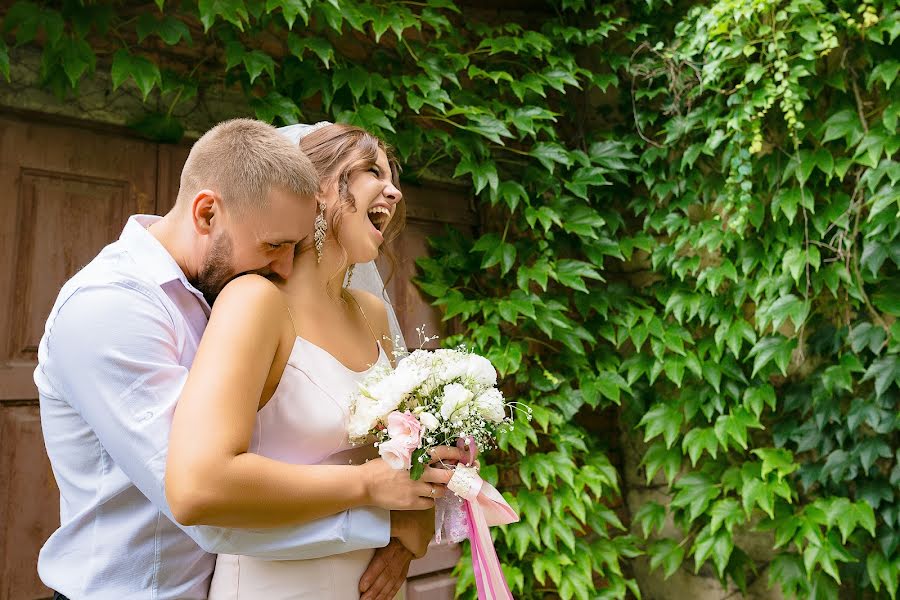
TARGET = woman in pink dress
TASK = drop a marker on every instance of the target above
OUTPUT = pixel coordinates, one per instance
(274, 437)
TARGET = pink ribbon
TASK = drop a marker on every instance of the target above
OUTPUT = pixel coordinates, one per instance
(484, 507)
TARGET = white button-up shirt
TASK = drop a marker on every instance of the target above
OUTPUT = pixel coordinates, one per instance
(112, 362)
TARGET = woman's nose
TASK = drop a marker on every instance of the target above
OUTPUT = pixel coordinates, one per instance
(392, 193)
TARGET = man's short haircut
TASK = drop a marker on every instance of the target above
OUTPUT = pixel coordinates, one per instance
(242, 160)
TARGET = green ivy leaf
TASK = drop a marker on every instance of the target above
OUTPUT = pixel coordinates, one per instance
(4, 60)
(788, 571)
(886, 71)
(776, 460)
(725, 512)
(825, 553)
(694, 493)
(883, 572)
(169, 29)
(290, 9)
(773, 348)
(668, 554)
(699, 439)
(572, 273)
(843, 124)
(257, 62)
(232, 11)
(651, 516)
(369, 118)
(659, 457)
(551, 154)
(322, 48)
(662, 419)
(884, 371)
(144, 73)
(275, 106)
(76, 57)
(484, 174)
(24, 18)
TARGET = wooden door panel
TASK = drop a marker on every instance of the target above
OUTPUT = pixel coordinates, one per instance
(29, 502)
(64, 219)
(66, 192)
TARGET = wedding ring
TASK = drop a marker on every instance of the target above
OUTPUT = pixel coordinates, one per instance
(432, 492)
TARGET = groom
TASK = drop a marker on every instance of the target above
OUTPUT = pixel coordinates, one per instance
(116, 352)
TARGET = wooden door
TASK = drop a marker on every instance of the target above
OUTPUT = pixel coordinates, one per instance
(64, 194)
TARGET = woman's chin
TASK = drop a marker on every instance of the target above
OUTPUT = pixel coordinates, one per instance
(363, 255)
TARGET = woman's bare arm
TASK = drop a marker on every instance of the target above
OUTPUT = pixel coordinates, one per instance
(212, 479)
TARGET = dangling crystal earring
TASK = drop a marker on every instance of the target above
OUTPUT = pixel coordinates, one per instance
(320, 226)
(349, 275)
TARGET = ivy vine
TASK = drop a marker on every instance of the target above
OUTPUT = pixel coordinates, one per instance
(689, 221)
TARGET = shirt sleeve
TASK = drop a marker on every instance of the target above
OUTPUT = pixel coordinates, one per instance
(113, 354)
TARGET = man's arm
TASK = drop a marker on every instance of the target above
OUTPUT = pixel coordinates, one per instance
(112, 354)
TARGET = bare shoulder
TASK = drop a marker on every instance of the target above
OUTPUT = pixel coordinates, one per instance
(251, 296)
(374, 308)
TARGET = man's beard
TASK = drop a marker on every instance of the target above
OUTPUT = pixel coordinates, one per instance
(216, 270)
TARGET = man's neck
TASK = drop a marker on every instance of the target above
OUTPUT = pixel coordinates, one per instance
(168, 232)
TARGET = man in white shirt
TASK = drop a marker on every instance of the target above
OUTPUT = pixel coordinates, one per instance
(114, 357)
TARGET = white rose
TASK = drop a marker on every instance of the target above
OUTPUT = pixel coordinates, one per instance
(481, 370)
(455, 403)
(491, 406)
(406, 378)
(450, 365)
(363, 418)
(429, 421)
(358, 427)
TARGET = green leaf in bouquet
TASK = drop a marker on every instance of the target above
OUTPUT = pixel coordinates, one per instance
(419, 462)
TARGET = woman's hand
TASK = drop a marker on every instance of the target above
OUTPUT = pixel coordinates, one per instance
(394, 489)
(447, 456)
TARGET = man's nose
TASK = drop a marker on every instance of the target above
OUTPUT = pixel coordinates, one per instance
(284, 264)
(392, 193)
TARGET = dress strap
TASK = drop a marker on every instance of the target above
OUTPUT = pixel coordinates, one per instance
(287, 306)
(365, 318)
(291, 316)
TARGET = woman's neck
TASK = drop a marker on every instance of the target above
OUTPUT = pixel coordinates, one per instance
(316, 281)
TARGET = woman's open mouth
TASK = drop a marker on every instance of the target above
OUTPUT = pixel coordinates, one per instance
(379, 216)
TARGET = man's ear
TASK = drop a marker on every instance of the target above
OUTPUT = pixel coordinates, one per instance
(204, 209)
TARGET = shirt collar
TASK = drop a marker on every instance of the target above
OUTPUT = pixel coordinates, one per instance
(151, 256)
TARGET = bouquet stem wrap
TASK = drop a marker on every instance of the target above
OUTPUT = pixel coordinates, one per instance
(483, 507)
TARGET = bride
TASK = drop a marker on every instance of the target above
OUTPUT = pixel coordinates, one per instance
(259, 434)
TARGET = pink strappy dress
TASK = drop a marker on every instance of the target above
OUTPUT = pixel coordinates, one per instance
(305, 422)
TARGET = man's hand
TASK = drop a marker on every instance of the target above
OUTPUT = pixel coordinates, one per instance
(386, 572)
(414, 529)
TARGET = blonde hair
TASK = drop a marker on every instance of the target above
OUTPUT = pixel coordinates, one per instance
(242, 160)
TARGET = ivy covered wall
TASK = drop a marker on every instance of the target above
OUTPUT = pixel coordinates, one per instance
(689, 219)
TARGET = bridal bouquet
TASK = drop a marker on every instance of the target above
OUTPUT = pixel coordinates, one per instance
(434, 398)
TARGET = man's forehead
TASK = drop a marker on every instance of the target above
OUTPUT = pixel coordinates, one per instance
(274, 225)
